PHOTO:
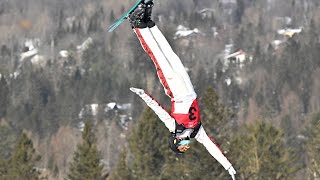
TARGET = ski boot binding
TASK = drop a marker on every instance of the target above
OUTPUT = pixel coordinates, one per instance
(136, 18)
(141, 16)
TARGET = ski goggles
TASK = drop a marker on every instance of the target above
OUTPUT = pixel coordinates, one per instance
(184, 145)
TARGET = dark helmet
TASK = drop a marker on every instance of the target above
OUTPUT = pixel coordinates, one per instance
(179, 145)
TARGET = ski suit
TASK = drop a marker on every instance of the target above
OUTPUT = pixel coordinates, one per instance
(178, 86)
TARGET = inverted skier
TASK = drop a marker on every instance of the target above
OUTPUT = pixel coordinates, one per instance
(184, 121)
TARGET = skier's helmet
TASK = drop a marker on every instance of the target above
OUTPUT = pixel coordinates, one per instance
(179, 145)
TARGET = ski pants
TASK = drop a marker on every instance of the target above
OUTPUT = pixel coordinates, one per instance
(170, 70)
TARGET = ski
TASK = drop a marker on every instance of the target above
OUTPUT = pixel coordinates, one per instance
(125, 16)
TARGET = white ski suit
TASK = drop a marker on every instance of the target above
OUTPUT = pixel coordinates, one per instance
(178, 87)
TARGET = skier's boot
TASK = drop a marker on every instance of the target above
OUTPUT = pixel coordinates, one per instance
(136, 18)
(148, 12)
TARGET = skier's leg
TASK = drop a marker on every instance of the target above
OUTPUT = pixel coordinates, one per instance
(172, 75)
(171, 81)
(172, 58)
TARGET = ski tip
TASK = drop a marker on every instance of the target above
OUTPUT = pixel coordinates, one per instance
(113, 27)
(110, 30)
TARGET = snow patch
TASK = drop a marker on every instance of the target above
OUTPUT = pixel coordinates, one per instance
(81, 126)
(239, 80)
(229, 2)
(110, 106)
(94, 109)
(228, 81)
(38, 60)
(64, 53)
(85, 45)
(27, 54)
(15, 74)
(124, 121)
(183, 31)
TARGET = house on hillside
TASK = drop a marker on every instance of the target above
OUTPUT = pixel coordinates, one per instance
(288, 32)
(239, 57)
(29, 49)
(206, 13)
(106, 111)
(30, 52)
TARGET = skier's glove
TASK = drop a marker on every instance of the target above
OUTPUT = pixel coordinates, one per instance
(137, 91)
(232, 172)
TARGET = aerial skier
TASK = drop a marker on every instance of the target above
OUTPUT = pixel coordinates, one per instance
(184, 121)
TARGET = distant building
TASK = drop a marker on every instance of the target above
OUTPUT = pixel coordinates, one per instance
(289, 32)
(206, 13)
(112, 109)
(238, 57)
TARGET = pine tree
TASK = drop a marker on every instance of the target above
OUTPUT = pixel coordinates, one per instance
(22, 163)
(122, 170)
(148, 143)
(213, 114)
(214, 118)
(86, 161)
(153, 159)
(313, 148)
(4, 96)
(3, 168)
(259, 152)
(8, 137)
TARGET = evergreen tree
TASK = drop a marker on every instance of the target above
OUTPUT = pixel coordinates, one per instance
(213, 114)
(259, 152)
(313, 148)
(112, 17)
(3, 168)
(4, 96)
(86, 161)
(148, 143)
(153, 159)
(122, 170)
(8, 137)
(22, 163)
(214, 118)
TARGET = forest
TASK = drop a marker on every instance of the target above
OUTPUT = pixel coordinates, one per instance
(66, 111)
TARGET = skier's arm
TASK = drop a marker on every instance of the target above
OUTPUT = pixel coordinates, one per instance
(212, 148)
(157, 108)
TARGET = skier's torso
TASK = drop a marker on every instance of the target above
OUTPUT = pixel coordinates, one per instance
(186, 113)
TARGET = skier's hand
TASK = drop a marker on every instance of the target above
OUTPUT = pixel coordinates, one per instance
(137, 91)
(232, 172)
